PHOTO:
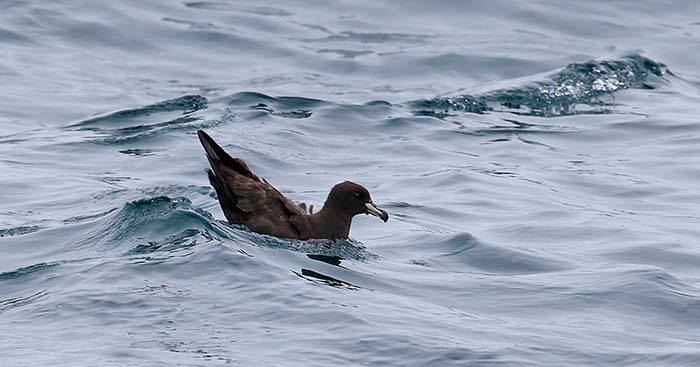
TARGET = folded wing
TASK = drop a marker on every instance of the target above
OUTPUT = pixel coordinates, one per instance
(249, 200)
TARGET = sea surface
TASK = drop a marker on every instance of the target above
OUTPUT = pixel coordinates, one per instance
(540, 161)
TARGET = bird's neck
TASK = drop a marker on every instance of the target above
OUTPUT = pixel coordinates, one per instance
(332, 222)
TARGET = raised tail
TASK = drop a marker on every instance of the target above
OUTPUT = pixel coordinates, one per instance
(218, 158)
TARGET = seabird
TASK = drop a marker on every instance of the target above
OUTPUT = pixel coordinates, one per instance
(251, 201)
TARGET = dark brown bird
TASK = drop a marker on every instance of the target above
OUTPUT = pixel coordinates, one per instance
(249, 200)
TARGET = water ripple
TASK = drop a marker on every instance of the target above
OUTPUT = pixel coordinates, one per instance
(561, 93)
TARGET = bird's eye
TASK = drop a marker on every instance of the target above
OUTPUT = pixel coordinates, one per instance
(357, 194)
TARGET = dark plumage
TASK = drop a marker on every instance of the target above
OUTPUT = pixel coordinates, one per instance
(250, 200)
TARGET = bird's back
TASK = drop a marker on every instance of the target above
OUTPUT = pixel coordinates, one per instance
(249, 200)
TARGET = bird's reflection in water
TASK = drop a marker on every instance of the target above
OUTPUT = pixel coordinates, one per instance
(332, 260)
(316, 277)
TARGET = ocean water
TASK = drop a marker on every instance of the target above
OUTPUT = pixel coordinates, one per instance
(540, 162)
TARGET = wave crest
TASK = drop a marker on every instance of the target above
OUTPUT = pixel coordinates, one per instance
(559, 93)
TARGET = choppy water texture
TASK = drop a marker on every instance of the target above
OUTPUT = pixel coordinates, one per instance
(540, 162)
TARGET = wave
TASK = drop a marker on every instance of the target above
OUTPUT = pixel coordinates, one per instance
(134, 124)
(167, 225)
(16, 302)
(153, 224)
(577, 88)
(322, 250)
(27, 270)
(185, 104)
(586, 87)
(465, 251)
(187, 113)
(18, 231)
(646, 292)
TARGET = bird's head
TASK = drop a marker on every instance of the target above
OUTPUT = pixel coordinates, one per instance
(351, 198)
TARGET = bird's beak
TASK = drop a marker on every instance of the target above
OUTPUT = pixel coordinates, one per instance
(372, 209)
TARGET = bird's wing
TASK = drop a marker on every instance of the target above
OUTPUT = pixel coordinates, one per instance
(218, 158)
(297, 217)
(268, 210)
(247, 199)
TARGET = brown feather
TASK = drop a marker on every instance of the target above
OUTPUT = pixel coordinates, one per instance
(252, 201)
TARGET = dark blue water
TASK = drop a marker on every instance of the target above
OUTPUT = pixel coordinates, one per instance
(540, 162)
